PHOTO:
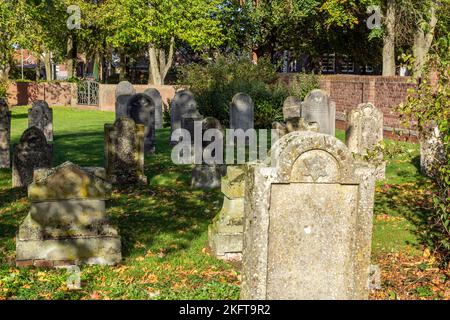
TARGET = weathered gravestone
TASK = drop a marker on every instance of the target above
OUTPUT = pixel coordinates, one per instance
(294, 124)
(308, 222)
(67, 223)
(208, 174)
(225, 234)
(124, 152)
(5, 133)
(241, 112)
(364, 135)
(32, 152)
(182, 103)
(432, 151)
(318, 107)
(157, 99)
(124, 91)
(40, 115)
(141, 109)
(292, 108)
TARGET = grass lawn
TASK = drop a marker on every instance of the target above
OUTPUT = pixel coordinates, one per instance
(163, 226)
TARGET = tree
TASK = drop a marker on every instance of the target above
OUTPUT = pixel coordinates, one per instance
(156, 25)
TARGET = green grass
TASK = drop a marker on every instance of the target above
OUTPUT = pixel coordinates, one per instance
(163, 226)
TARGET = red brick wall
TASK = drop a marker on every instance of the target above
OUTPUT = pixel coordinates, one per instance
(348, 91)
(24, 93)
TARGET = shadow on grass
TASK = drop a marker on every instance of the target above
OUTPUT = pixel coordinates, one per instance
(412, 201)
(83, 149)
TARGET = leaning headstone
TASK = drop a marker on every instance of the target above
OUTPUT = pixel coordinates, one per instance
(33, 152)
(432, 151)
(40, 115)
(308, 222)
(141, 109)
(182, 103)
(5, 133)
(225, 234)
(292, 108)
(318, 107)
(157, 99)
(364, 136)
(124, 152)
(208, 174)
(124, 91)
(242, 112)
(67, 223)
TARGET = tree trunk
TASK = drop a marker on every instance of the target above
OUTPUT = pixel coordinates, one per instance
(122, 67)
(422, 42)
(48, 66)
(159, 64)
(389, 40)
(70, 57)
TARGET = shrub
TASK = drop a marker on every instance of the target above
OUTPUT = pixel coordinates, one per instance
(3, 88)
(216, 82)
(430, 105)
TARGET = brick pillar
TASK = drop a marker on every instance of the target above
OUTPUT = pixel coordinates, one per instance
(371, 94)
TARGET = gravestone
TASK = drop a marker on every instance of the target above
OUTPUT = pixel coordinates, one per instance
(67, 223)
(318, 107)
(294, 124)
(124, 152)
(364, 136)
(40, 115)
(308, 222)
(157, 99)
(225, 233)
(31, 153)
(208, 174)
(241, 112)
(188, 121)
(182, 103)
(141, 109)
(124, 91)
(432, 151)
(5, 133)
(291, 108)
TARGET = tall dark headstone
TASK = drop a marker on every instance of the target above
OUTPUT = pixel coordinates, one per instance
(124, 152)
(141, 109)
(40, 115)
(157, 99)
(124, 91)
(33, 152)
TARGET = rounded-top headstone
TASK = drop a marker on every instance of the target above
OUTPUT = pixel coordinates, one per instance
(124, 91)
(40, 115)
(31, 153)
(318, 107)
(141, 109)
(157, 99)
(124, 88)
(242, 112)
(183, 102)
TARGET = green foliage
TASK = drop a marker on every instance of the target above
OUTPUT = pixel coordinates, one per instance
(3, 88)
(216, 82)
(429, 106)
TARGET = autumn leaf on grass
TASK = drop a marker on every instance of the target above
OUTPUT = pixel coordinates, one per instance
(149, 278)
(139, 259)
(95, 295)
